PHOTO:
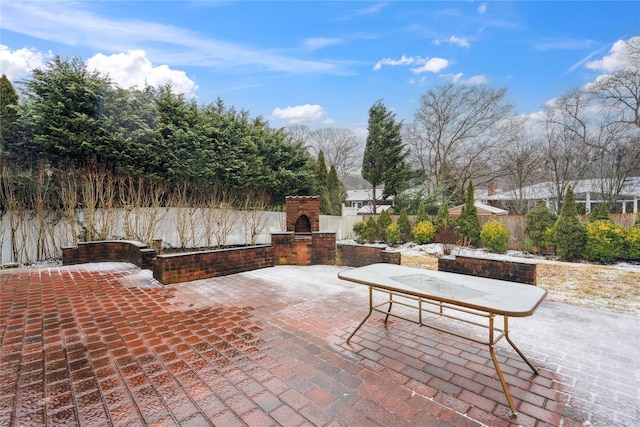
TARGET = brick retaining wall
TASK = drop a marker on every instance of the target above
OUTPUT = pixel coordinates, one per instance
(109, 251)
(512, 271)
(185, 267)
(359, 255)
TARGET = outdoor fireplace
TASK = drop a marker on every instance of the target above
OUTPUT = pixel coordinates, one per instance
(302, 243)
(303, 215)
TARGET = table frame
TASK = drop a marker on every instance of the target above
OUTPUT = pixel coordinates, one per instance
(445, 309)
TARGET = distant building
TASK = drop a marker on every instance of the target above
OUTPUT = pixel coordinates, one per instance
(483, 210)
(363, 202)
(586, 191)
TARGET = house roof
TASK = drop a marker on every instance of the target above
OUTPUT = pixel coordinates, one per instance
(365, 195)
(482, 209)
(545, 190)
(367, 209)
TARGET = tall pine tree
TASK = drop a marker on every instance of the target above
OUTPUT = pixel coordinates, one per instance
(8, 114)
(384, 154)
(468, 223)
(322, 180)
(569, 232)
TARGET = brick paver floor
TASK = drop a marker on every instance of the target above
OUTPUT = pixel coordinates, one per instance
(105, 344)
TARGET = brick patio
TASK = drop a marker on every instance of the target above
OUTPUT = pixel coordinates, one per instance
(105, 344)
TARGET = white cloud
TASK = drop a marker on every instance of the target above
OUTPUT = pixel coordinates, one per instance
(133, 69)
(316, 43)
(615, 60)
(394, 62)
(482, 8)
(19, 63)
(458, 41)
(432, 65)
(299, 114)
(471, 81)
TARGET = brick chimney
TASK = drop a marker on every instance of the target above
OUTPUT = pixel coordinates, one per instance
(491, 188)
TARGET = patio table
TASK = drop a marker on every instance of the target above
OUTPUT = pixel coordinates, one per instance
(472, 300)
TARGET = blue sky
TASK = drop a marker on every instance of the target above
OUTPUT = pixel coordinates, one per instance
(325, 63)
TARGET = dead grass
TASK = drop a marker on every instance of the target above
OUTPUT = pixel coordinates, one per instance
(587, 285)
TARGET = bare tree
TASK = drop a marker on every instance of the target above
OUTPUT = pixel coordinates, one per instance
(217, 216)
(15, 206)
(519, 163)
(142, 202)
(253, 213)
(67, 189)
(456, 132)
(566, 154)
(40, 201)
(620, 91)
(341, 147)
(184, 211)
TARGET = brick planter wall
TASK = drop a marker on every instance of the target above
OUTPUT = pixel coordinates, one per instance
(295, 249)
(359, 255)
(495, 269)
(185, 267)
(109, 251)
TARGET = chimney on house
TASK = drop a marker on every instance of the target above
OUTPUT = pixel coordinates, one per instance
(491, 188)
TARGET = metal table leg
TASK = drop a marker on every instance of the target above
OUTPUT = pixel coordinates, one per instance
(367, 316)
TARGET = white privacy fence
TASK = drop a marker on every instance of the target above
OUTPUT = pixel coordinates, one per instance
(25, 238)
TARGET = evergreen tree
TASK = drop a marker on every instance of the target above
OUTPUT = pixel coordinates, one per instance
(569, 232)
(8, 114)
(468, 223)
(322, 180)
(600, 213)
(443, 219)
(422, 214)
(337, 192)
(64, 111)
(404, 225)
(537, 222)
(384, 153)
(384, 220)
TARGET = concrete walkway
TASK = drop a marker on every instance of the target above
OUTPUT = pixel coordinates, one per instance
(105, 344)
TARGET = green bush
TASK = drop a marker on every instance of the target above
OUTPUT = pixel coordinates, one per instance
(495, 236)
(384, 220)
(423, 232)
(467, 223)
(372, 233)
(422, 214)
(404, 226)
(360, 229)
(632, 243)
(537, 223)
(569, 232)
(600, 213)
(393, 233)
(605, 241)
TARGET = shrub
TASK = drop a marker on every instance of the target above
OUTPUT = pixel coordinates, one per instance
(632, 243)
(393, 233)
(443, 219)
(537, 222)
(600, 213)
(384, 220)
(422, 214)
(423, 232)
(404, 226)
(495, 236)
(604, 241)
(360, 229)
(569, 232)
(372, 232)
(468, 223)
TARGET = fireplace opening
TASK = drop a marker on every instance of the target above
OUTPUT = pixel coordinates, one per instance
(303, 225)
